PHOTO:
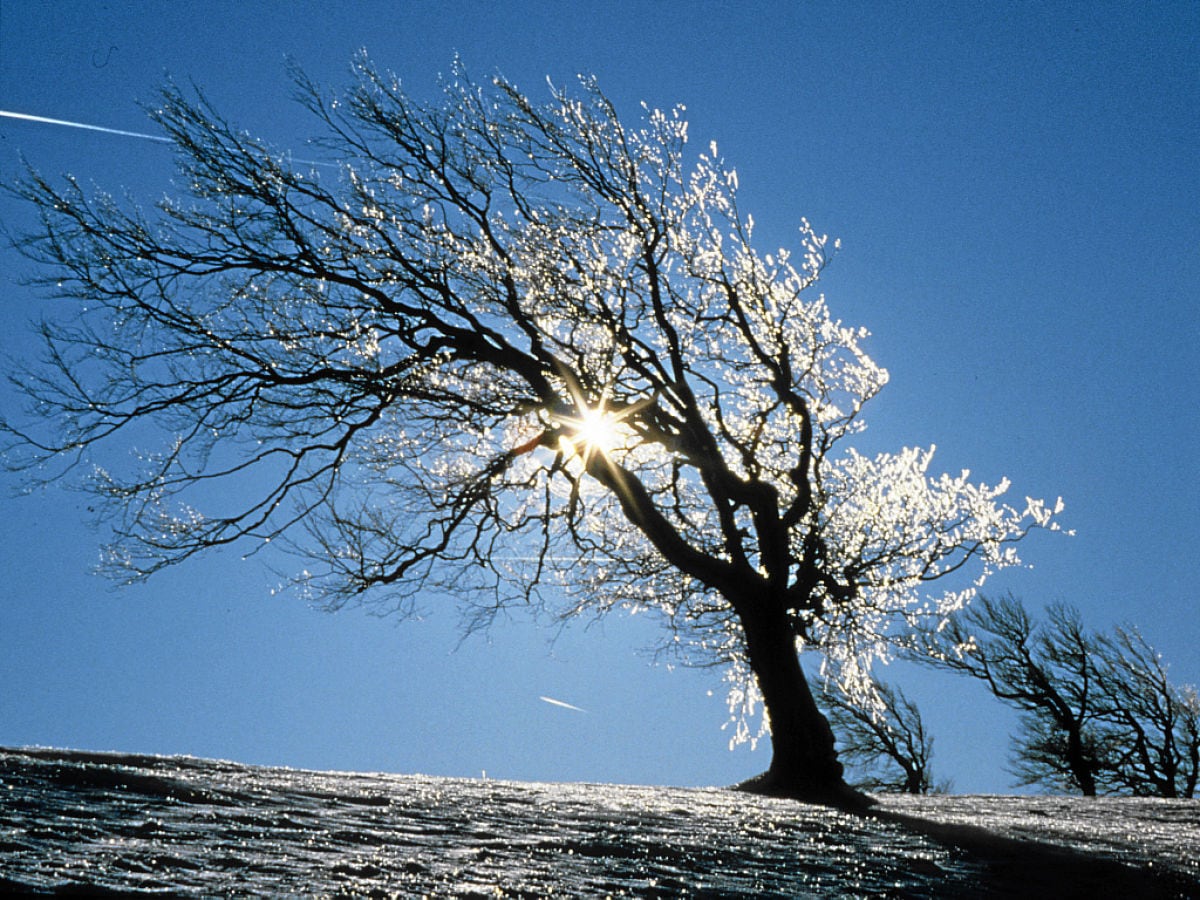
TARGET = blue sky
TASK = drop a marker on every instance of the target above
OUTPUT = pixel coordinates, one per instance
(1017, 191)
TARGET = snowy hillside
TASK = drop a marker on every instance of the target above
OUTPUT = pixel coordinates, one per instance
(72, 822)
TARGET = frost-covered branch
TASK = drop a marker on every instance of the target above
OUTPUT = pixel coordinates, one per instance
(505, 352)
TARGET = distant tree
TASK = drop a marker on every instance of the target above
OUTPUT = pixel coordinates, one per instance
(882, 740)
(1152, 727)
(1047, 672)
(1099, 713)
(504, 351)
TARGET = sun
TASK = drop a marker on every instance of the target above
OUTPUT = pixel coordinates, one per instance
(593, 431)
(597, 429)
(602, 428)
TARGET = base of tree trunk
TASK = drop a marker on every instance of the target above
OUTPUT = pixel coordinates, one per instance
(838, 794)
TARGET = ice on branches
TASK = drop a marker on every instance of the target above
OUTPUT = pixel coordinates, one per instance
(510, 352)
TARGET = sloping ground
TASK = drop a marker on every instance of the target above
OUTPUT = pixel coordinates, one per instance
(81, 823)
(1142, 832)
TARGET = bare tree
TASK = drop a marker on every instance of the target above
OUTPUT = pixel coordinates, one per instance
(1045, 671)
(508, 351)
(1100, 714)
(1152, 727)
(885, 741)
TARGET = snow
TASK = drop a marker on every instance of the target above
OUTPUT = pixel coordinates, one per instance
(1146, 831)
(72, 821)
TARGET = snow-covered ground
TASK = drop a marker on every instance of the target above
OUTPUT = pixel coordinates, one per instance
(73, 821)
(1140, 831)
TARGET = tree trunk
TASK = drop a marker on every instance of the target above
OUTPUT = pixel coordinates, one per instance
(1077, 759)
(1193, 766)
(914, 780)
(804, 763)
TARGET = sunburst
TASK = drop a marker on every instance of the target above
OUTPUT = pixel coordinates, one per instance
(590, 430)
(593, 430)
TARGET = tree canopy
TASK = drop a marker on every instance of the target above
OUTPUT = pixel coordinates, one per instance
(498, 350)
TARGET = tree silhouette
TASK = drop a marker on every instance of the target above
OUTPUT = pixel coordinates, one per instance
(506, 353)
(1047, 672)
(1100, 714)
(1151, 727)
(886, 740)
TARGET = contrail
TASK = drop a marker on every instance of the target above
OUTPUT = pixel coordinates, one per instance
(66, 123)
(43, 120)
(561, 703)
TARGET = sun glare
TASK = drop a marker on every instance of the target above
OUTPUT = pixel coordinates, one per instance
(597, 430)
(593, 431)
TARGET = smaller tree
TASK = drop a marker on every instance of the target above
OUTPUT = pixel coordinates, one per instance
(885, 743)
(1099, 712)
(1152, 727)
(1045, 671)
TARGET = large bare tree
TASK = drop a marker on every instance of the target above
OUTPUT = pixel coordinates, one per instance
(503, 352)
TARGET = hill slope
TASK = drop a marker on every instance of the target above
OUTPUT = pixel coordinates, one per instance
(72, 822)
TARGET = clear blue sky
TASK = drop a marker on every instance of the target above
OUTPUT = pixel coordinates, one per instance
(1017, 190)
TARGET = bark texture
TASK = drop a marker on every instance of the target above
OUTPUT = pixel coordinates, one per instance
(804, 760)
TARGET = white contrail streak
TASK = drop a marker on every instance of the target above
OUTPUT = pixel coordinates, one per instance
(46, 120)
(43, 120)
(561, 703)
